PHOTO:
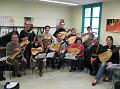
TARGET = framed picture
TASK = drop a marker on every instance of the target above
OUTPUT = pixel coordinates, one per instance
(113, 25)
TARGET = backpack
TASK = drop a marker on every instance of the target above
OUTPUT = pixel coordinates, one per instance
(12, 85)
(117, 85)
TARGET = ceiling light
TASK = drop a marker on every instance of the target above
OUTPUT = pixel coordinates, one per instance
(59, 2)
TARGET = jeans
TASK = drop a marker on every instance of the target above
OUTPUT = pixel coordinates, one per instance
(101, 71)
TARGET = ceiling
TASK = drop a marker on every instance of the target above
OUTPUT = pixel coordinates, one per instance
(79, 2)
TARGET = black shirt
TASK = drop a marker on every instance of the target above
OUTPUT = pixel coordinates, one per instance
(58, 30)
(115, 56)
(94, 51)
(30, 35)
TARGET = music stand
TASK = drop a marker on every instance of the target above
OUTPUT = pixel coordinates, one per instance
(50, 55)
(41, 55)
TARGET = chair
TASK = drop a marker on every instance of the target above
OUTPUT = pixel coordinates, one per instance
(33, 61)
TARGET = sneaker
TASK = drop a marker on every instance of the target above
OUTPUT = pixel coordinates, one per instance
(2, 78)
(94, 82)
(19, 75)
(36, 68)
(13, 74)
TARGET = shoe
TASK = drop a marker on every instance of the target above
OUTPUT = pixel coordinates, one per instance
(19, 75)
(94, 82)
(36, 68)
(13, 74)
(91, 73)
(53, 67)
(58, 67)
(41, 73)
(2, 78)
(106, 80)
(70, 70)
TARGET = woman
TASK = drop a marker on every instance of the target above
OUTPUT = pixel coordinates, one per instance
(113, 60)
(80, 56)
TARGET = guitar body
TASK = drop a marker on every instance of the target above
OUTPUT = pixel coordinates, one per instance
(13, 56)
(103, 57)
(35, 51)
(64, 34)
(74, 51)
(85, 38)
(56, 46)
(71, 40)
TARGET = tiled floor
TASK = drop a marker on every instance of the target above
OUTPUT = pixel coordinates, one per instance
(58, 79)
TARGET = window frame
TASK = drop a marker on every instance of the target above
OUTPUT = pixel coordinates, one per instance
(100, 16)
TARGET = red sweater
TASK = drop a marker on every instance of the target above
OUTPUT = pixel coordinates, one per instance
(80, 47)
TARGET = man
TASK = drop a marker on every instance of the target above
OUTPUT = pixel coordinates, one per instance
(94, 62)
(59, 52)
(87, 45)
(114, 59)
(27, 34)
(11, 48)
(59, 29)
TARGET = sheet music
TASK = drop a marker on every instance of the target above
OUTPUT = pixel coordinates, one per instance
(41, 55)
(50, 55)
(3, 58)
(70, 56)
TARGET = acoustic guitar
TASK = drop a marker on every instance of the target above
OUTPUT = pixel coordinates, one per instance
(86, 37)
(105, 56)
(35, 51)
(56, 46)
(74, 51)
(64, 34)
(13, 56)
(22, 45)
(1, 48)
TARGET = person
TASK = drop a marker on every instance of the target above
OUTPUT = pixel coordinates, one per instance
(87, 45)
(72, 37)
(113, 60)
(59, 52)
(2, 68)
(59, 29)
(12, 48)
(95, 50)
(47, 38)
(80, 56)
(38, 46)
(2, 63)
(27, 35)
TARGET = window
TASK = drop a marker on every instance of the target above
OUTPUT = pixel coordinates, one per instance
(92, 17)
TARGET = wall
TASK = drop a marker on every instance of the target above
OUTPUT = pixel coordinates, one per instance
(110, 9)
(43, 13)
(77, 18)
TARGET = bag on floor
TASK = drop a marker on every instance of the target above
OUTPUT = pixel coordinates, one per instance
(12, 85)
(117, 85)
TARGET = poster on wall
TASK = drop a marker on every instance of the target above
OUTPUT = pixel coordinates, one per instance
(6, 21)
(113, 25)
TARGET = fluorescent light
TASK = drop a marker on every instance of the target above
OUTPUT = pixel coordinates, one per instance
(59, 2)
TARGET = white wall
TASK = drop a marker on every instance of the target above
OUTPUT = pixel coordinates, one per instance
(110, 9)
(43, 13)
(77, 18)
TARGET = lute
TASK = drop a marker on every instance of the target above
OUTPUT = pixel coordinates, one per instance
(105, 56)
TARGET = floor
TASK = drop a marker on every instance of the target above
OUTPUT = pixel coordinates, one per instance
(57, 79)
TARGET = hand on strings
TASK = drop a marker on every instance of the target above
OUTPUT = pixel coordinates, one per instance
(18, 49)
